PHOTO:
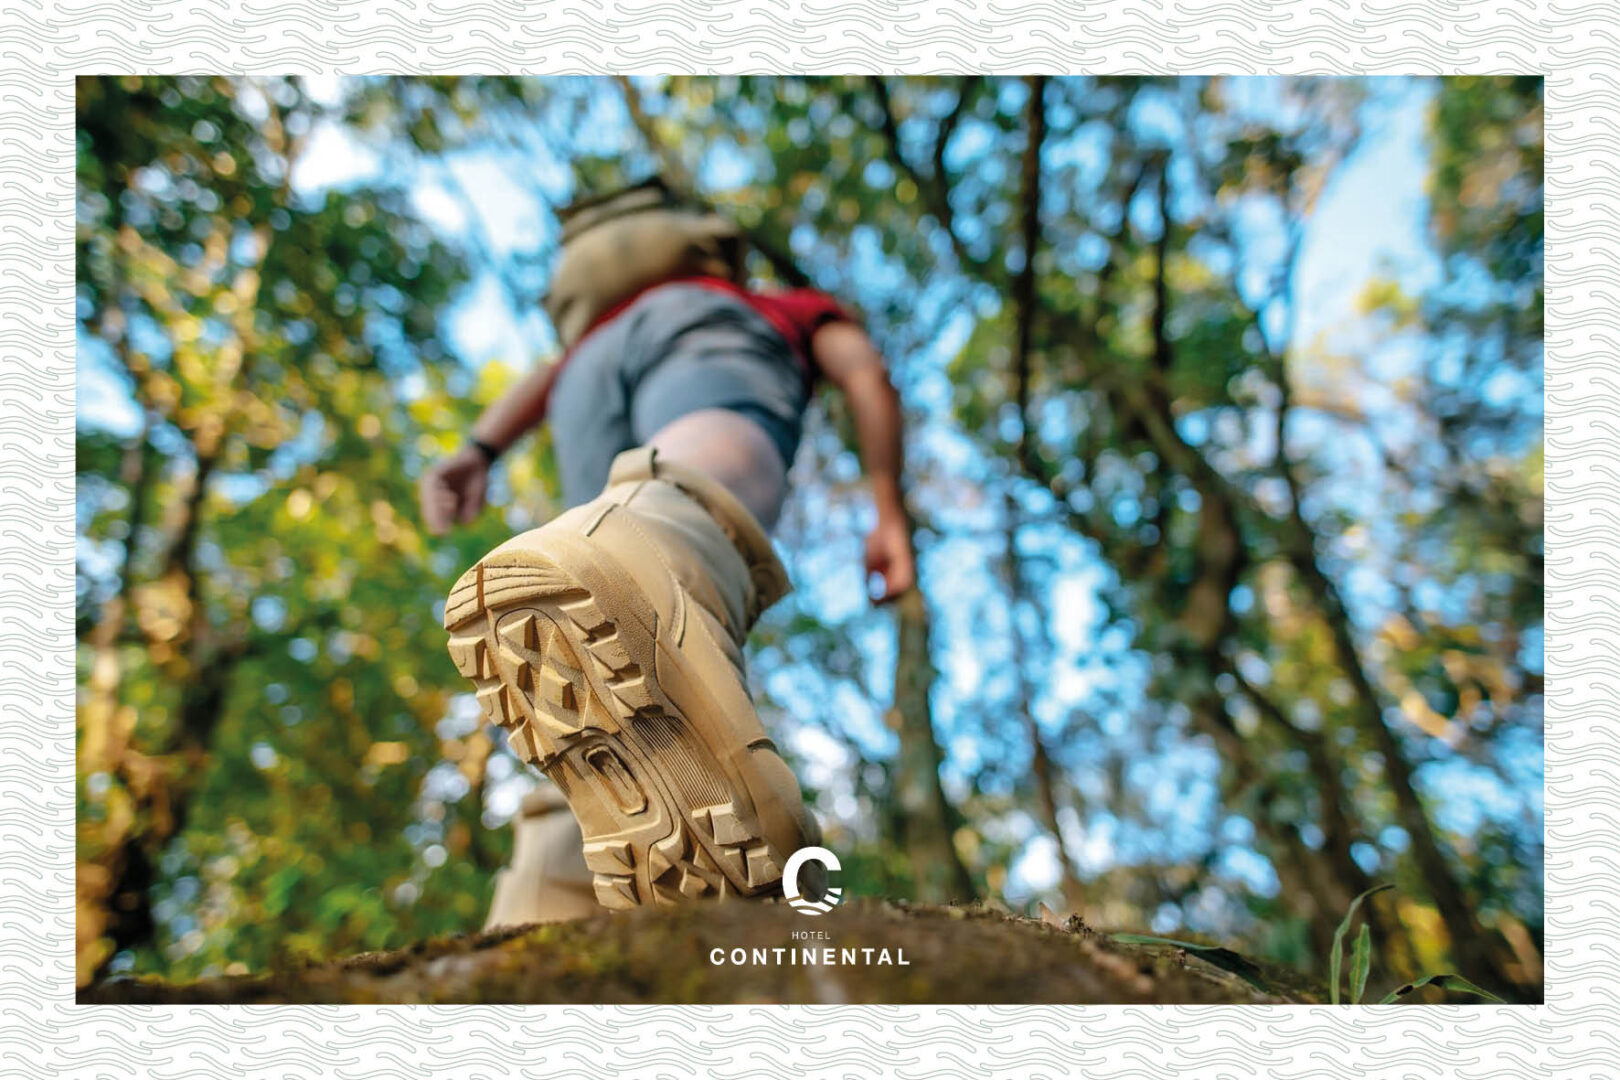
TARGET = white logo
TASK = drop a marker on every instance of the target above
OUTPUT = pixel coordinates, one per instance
(790, 881)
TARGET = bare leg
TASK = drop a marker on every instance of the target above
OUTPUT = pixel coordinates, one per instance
(735, 451)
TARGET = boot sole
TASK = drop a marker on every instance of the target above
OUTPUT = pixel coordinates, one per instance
(570, 672)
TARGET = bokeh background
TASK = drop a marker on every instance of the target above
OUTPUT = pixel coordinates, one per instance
(1225, 456)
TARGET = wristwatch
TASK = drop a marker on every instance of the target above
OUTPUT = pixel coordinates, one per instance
(489, 452)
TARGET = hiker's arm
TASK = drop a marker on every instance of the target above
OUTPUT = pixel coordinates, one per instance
(852, 363)
(511, 415)
(453, 490)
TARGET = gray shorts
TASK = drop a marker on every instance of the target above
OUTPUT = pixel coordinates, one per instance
(677, 349)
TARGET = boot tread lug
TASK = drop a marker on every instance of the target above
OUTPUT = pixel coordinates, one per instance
(610, 857)
(615, 892)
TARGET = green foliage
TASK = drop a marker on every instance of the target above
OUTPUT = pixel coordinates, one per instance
(272, 752)
(277, 651)
(1358, 971)
(1445, 982)
(1361, 962)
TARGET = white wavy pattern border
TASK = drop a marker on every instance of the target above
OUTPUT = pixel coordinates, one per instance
(42, 1033)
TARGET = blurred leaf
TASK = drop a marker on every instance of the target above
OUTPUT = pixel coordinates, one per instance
(1225, 959)
(1335, 960)
(1360, 964)
(1445, 982)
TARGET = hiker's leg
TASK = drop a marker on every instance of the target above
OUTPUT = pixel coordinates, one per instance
(733, 450)
(589, 412)
(714, 387)
(609, 641)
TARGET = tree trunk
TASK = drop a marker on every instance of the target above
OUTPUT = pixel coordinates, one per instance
(160, 786)
(1041, 765)
(1023, 300)
(1074, 893)
(1311, 894)
(1338, 831)
(1306, 889)
(929, 820)
(108, 888)
(1477, 953)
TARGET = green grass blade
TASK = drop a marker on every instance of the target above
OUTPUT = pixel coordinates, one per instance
(1148, 939)
(1445, 981)
(1225, 959)
(1335, 960)
(1360, 964)
(1333, 965)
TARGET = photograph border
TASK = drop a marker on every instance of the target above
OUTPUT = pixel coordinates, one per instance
(42, 1032)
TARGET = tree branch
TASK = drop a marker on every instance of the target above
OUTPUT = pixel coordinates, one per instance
(1161, 290)
(681, 181)
(935, 189)
(1023, 285)
(947, 128)
(673, 169)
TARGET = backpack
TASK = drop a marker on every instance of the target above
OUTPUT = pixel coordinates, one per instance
(615, 245)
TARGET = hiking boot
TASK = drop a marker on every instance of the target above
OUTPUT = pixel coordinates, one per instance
(548, 880)
(609, 644)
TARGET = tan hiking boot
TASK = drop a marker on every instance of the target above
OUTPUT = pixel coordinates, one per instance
(608, 643)
(548, 880)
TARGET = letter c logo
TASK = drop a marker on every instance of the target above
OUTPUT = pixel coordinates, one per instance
(790, 881)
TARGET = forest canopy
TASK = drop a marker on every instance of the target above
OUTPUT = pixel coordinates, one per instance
(1225, 464)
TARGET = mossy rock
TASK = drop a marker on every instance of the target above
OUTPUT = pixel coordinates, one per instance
(665, 955)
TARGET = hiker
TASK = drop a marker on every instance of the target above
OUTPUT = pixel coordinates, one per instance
(608, 642)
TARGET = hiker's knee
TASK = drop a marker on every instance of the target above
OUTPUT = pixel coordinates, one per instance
(735, 450)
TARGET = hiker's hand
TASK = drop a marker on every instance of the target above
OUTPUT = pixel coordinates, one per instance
(888, 555)
(453, 490)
